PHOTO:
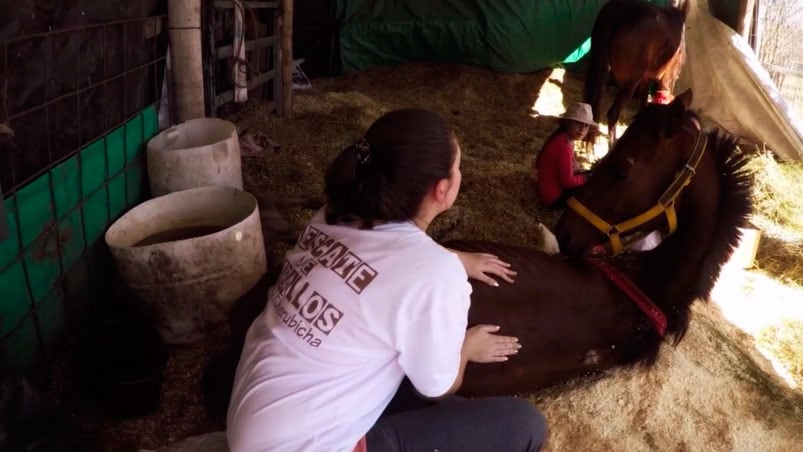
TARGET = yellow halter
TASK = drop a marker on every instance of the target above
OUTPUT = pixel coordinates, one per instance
(665, 204)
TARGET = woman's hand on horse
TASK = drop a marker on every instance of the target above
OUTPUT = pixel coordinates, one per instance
(480, 266)
(482, 345)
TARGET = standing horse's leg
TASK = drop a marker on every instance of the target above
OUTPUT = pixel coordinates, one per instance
(666, 83)
(667, 80)
(642, 93)
(624, 93)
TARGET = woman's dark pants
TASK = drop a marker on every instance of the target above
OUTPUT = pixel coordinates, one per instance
(457, 424)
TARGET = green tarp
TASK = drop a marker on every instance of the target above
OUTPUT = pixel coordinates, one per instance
(503, 35)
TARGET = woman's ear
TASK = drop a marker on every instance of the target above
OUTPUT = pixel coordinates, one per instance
(440, 190)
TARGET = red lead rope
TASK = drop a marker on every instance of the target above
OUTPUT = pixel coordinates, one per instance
(642, 301)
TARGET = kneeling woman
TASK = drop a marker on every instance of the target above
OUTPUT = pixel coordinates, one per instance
(366, 298)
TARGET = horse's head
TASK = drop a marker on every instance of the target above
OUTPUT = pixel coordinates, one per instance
(634, 187)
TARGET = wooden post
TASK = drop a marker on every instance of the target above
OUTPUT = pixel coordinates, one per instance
(276, 67)
(744, 22)
(184, 31)
(755, 36)
(209, 59)
(286, 24)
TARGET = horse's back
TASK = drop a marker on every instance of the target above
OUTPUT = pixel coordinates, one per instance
(637, 19)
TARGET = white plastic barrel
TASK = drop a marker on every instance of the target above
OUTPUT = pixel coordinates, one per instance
(189, 255)
(196, 153)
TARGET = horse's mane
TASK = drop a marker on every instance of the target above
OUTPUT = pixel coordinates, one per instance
(733, 211)
(734, 208)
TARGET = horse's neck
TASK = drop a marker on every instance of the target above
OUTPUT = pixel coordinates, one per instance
(674, 270)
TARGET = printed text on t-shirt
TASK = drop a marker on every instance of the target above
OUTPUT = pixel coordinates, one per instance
(335, 256)
(310, 314)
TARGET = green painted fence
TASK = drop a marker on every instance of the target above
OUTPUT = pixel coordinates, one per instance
(55, 264)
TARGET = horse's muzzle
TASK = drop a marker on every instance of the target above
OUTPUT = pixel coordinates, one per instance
(577, 239)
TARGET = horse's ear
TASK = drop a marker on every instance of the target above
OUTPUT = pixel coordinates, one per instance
(677, 108)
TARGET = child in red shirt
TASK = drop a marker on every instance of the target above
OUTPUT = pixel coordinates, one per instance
(555, 173)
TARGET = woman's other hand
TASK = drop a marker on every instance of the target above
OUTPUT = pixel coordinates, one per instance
(482, 345)
(480, 266)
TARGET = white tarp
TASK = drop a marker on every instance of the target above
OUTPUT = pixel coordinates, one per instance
(732, 88)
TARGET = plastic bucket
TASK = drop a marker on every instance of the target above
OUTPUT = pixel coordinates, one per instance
(196, 153)
(189, 256)
(744, 255)
(119, 364)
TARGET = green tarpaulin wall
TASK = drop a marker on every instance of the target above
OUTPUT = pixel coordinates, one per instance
(503, 35)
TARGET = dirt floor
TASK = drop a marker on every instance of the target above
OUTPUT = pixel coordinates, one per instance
(711, 392)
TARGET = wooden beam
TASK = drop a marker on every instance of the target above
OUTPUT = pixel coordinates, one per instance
(226, 51)
(287, 58)
(223, 4)
(745, 20)
(782, 70)
(228, 96)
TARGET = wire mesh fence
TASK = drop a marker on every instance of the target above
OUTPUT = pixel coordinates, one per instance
(78, 104)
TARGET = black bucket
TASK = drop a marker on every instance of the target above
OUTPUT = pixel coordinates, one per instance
(119, 363)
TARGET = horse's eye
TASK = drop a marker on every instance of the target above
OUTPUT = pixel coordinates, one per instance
(621, 171)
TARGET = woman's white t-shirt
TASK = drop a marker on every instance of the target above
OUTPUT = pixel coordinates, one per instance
(351, 314)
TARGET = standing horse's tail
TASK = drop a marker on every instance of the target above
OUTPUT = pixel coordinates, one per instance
(598, 69)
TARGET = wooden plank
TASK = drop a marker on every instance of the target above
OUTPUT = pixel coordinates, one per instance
(228, 96)
(782, 70)
(226, 51)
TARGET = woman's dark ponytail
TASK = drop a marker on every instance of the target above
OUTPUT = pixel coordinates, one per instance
(385, 175)
(346, 183)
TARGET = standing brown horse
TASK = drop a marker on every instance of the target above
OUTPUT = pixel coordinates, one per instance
(569, 316)
(639, 42)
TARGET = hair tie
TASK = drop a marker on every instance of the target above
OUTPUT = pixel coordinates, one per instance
(363, 151)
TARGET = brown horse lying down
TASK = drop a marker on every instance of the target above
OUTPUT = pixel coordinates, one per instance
(570, 319)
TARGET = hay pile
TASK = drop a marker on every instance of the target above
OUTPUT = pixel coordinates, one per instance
(778, 200)
(497, 151)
